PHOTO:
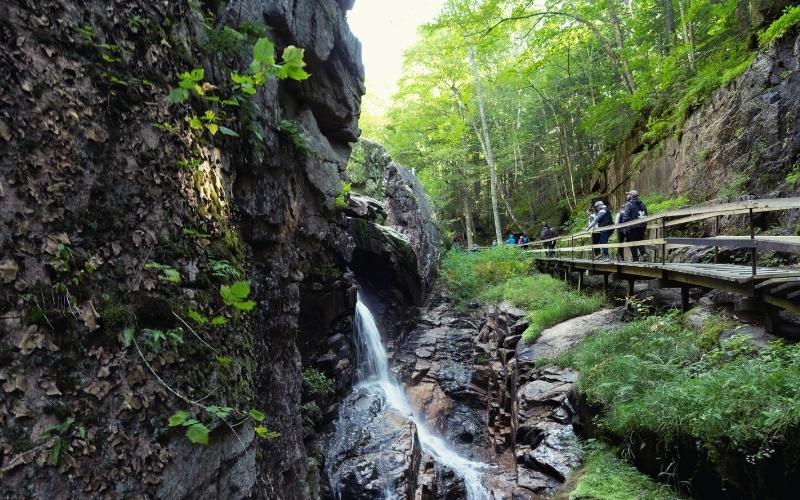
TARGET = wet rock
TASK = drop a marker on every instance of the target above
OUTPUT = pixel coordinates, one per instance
(374, 451)
(556, 454)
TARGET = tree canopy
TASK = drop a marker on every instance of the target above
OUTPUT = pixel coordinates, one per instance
(564, 84)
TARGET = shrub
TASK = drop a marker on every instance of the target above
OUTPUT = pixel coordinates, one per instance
(467, 273)
(655, 375)
(787, 22)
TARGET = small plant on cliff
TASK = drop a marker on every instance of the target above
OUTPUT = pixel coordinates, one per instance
(790, 20)
(61, 434)
(198, 433)
(341, 198)
(317, 382)
(235, 296)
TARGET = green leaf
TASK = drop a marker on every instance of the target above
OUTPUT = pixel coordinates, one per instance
(197, 433)
(224, 360)
(218, 320)
(194, 122)
(219, 411)
(213, 128)
(197, 74)
(197, 317)
(265, 433)
(171, 275)
(187, 85)
(55, 451)
(227, 131)
(293, 63)
(256, 415)
(178, 418)
(264, 52)
(178, 95)
(127, 336)
(241, 289)
(245, 306)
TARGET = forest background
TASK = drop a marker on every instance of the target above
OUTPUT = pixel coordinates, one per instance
(508, 109)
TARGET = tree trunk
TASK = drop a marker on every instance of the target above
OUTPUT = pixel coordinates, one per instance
(468, 226)
(487, 146)
(669, 25)
(688, 33)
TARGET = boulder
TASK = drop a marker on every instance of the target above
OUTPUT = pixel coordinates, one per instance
(374, 450)
(562, 337)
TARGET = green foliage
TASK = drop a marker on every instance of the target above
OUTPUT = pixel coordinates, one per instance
(735, 188)
(61, 433)
(793, 177)
(605, 476)
(235, 295)
(341, 198)
(468, 273)
(660, 202)
(155, 340)
(655, 375)
(168, 273)
(789, 21)
(295, 131)
(547, 300)
(317, 382)
(196, 431)
(223, 269)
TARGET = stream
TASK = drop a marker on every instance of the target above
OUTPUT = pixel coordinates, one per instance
(374, 376)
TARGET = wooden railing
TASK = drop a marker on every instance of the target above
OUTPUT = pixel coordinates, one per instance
(660, 224)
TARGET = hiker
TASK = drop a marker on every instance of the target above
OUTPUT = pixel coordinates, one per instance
(511, 240)
(546, 234)
(591, 214)
(602, 219)
(622, 234)
(524, 239)
(635, 209)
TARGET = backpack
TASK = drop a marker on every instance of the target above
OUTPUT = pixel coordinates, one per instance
(641, 208)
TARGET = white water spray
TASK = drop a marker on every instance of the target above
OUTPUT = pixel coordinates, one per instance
(373, 366)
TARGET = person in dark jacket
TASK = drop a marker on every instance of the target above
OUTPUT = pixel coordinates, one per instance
(602, 219)
(635, 209)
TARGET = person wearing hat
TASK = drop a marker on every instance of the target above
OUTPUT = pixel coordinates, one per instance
(602, 219)
(546, 234)
(634, 209)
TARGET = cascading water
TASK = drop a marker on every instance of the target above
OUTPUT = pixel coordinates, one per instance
(373, 372)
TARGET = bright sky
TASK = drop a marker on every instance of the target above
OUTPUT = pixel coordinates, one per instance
(386, 28)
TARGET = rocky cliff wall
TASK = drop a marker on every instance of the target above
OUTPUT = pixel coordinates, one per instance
(744, 141)
(118, 219)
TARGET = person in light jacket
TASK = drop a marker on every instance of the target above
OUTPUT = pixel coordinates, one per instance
(602, 219)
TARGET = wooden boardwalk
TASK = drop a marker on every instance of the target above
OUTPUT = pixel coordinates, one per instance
(773, 287)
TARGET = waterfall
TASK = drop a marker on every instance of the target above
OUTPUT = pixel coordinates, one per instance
(373, 371)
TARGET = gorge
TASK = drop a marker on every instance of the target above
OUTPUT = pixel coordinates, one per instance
(214, 286)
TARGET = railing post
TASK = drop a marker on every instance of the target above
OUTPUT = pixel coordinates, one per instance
(663, 237)
(716, 233)
(591, 245)
(753, 251)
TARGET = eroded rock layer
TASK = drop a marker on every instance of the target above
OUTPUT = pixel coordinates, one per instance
(118, 218)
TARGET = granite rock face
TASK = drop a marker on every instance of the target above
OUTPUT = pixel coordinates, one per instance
(100, 211)
(750, 129)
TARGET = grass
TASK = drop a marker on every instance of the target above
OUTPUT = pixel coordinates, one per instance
(467, 273)
(504, 273)
(655, 375)
(606, 476)
(548, 301)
